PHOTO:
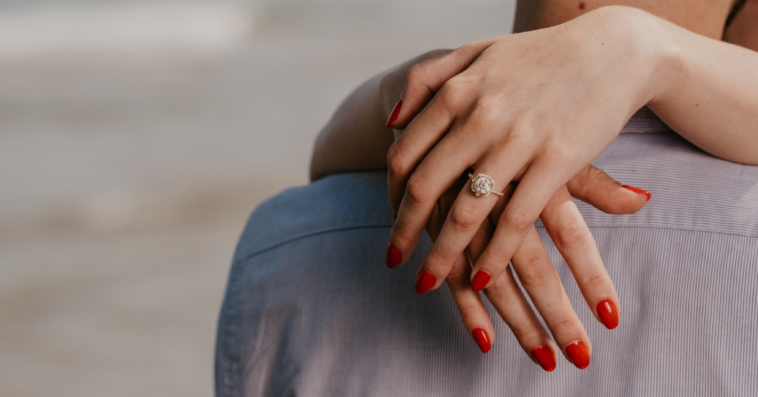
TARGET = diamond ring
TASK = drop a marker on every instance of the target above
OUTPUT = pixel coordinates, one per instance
(483, 185)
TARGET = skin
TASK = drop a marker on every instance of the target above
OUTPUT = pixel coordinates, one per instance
(529, 259)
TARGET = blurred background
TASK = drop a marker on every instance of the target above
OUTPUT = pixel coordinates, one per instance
(135, 139)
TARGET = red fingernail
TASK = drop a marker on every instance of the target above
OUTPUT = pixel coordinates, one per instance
(392, 256)
(424, 282)
(482, 340)
(545, 357)
(579, 354)
(638, 191)
(608, 313)
(395, 113)
(480, 281)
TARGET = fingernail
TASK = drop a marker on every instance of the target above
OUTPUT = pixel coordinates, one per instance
(392, 256)
(608, 313)
(638, 191)
(545, 357)
(482, 340)
(424, 282)
(395, 113)
(480, 281)
(579, 354)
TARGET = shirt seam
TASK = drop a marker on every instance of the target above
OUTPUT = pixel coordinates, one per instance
(271, 246)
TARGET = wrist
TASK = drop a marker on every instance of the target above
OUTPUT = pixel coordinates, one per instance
(650, 47)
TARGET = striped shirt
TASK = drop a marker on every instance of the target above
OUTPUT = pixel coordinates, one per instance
(310, 308)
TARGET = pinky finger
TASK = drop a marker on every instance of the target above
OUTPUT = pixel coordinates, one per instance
(469, 302)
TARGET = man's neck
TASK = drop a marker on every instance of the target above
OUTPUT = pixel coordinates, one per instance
(706, 17)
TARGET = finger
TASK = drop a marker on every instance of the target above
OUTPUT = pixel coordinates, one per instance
(508, 300)
(423, 190)
(572, 237)
(469, 303)
(413, 146)
(436, 172)
(593, 186)
(537, 275)
(532, 194)
(424, 79)
(467, 213)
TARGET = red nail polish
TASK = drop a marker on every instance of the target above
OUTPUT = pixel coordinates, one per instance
(480, 281)
(579, 354)
(482, 340)
(638, 191)
(545, 358)
(395, 112)
(424, 282)
(608, 313)
(392, 256)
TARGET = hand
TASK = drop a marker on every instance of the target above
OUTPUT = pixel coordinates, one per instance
(538, 276)
(535, 107)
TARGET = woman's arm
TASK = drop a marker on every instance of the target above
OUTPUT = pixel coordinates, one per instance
(357, 138)
(713, 99)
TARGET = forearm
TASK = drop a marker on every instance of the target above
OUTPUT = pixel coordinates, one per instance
(355, 139)
(713, 100)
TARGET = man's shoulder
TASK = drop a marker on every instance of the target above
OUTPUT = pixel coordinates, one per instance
(337, 202)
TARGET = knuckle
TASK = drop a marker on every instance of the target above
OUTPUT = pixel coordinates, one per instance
(524, 331)
(564, 326)
(458, 276)
(572, 234)
(436, 264)
(598, 279)
(417, 190)
(499, 289)
(467, 308)
(534, 270)
(559, 152)
(488, 110)
(517, 220)
(464, 217)
(401, 235)
(396, 161)
(415, 73)
(454, 92)
(498, 257)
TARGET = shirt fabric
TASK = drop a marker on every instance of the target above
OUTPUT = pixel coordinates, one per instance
(311, 310)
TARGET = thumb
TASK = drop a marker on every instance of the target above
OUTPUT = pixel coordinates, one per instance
(593, 186)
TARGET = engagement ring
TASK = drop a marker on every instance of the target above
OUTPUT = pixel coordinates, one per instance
(483, 185)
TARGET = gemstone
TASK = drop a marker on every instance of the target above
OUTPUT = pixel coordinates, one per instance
(482, 185)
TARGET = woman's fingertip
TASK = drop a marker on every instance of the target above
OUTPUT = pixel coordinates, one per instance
(424, 282)
(480, 281)
(607, 312)
(395, 113)
(392, 256)
(637, 190)
(544, 358)
(579, 354)
(481, 338)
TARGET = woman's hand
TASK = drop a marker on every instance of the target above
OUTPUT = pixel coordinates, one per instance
(535, 107)
(537, 275)
(532, 264)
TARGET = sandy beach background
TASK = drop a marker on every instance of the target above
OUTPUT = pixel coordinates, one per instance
(135, 139)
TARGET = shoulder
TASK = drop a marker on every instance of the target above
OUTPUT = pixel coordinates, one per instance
(337, 202)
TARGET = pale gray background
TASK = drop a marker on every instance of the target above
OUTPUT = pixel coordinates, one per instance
(136, 137)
